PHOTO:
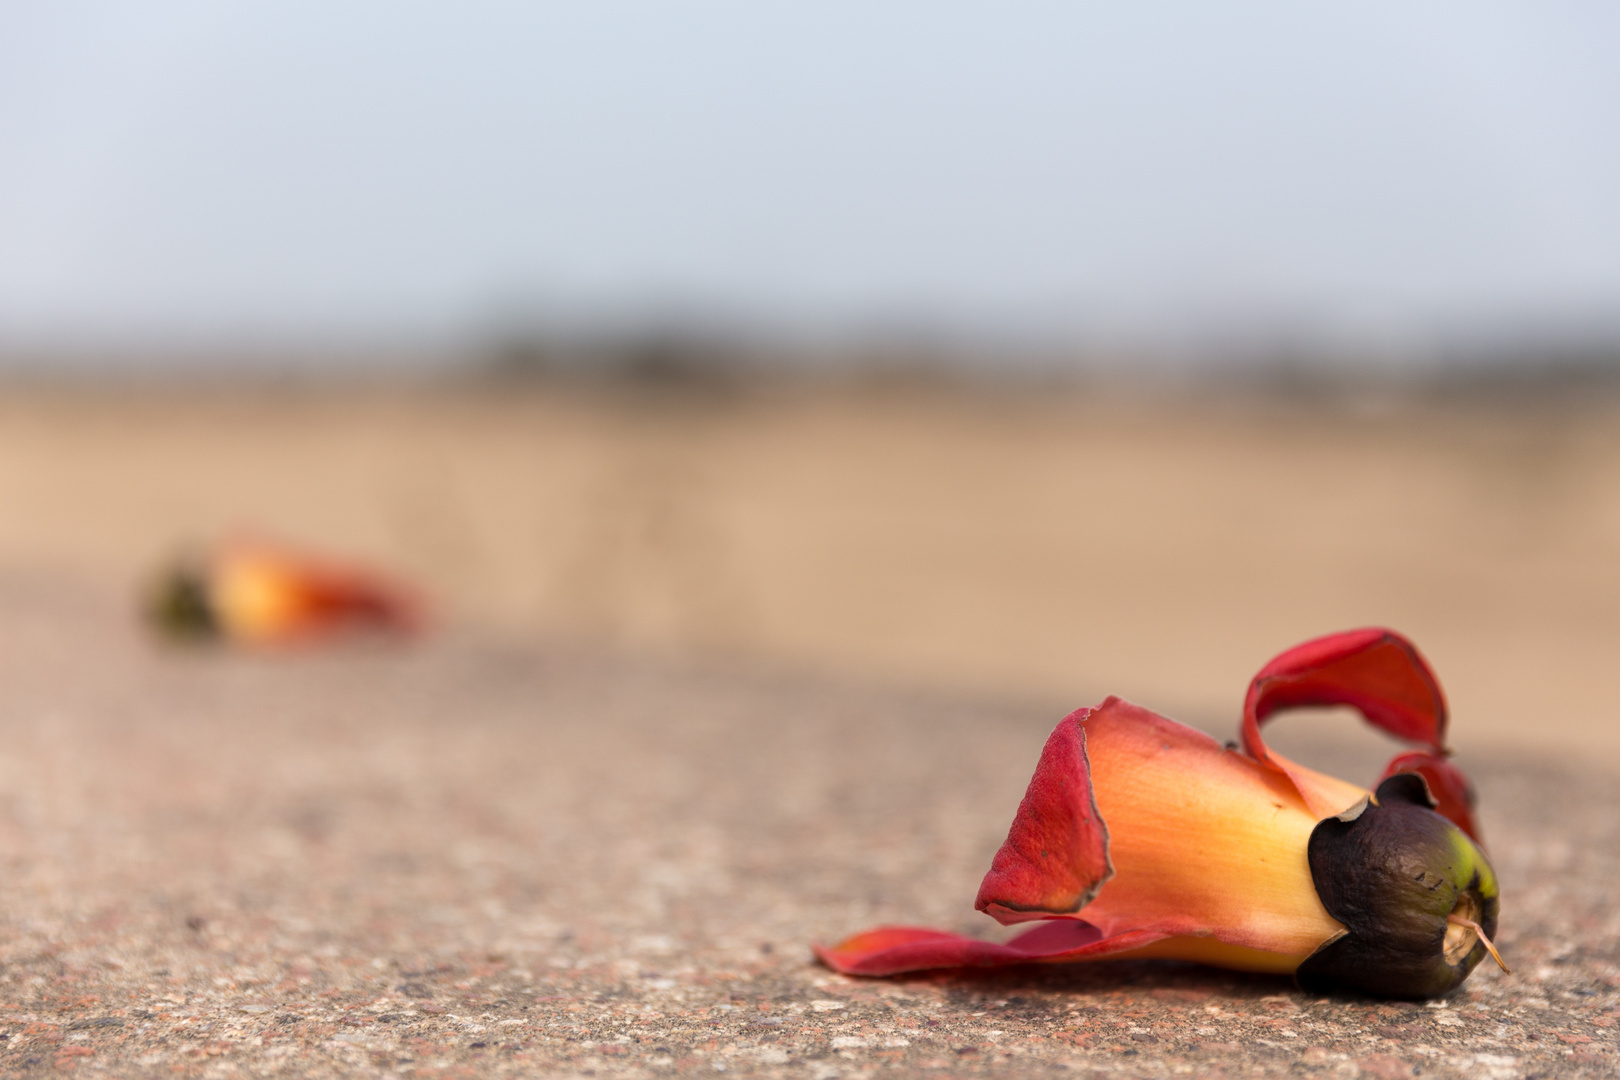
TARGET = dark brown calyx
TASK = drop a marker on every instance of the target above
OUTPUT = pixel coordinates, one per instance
(1417, 897)
(181, 607)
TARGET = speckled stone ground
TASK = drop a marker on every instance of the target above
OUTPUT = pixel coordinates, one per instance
(474, 858)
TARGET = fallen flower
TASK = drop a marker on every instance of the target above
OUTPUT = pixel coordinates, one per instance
(1176, 847)
(260, 593)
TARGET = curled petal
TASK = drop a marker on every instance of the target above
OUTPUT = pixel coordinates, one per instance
(1056, 854)
(1375, 671)
(1453, 794)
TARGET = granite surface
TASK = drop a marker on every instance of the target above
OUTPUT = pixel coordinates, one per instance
(472, 858)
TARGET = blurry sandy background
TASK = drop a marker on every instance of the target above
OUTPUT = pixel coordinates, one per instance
(1051, 545)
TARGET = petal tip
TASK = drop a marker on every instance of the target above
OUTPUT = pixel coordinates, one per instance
(1055, 857)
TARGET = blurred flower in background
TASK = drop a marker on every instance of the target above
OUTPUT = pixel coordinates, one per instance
(253, 592)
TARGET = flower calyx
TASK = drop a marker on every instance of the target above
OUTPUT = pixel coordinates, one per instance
(1417, 897)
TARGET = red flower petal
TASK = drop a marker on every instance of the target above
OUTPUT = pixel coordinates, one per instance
(1055, 857)
(1375, 671)
(890, 950)
(269, 594)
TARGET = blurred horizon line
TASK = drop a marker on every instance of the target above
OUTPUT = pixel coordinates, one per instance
(693, 351)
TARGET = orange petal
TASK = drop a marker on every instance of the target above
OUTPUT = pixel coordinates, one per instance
(1205, 842)
(1325, 795)
(264, 594)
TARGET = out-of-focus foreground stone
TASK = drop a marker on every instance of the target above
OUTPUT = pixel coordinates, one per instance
(468, 858)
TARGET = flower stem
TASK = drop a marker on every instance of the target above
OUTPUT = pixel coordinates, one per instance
(1475, 927)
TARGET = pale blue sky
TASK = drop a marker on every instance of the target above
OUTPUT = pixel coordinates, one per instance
(1384, 170)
